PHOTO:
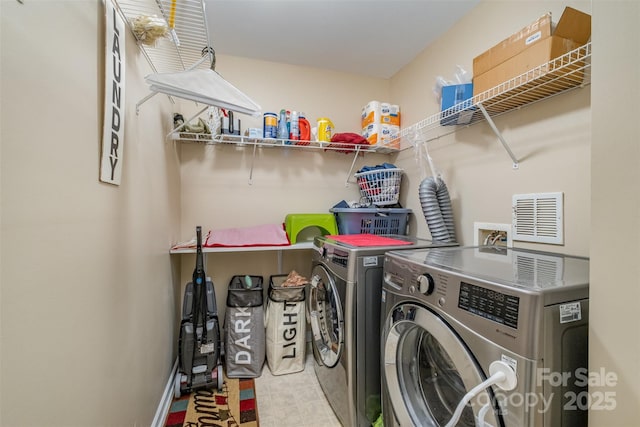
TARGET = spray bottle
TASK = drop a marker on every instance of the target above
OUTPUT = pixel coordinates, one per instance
(294, 133)
(283, 131)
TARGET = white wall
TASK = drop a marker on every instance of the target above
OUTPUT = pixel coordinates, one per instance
(87, 309)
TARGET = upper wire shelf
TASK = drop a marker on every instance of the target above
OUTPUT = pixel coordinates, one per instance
(567, 72)
(188, 40)
(238, 140)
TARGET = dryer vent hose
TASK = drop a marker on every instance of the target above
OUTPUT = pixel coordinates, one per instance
(437, 210)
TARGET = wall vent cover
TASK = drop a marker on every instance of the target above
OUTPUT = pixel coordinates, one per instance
(538, 218)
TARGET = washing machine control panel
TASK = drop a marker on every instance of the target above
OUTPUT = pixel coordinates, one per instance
(337, 257)
(426, 284)
(490, 304)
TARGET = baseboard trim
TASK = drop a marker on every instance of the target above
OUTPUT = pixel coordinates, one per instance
(165, 400)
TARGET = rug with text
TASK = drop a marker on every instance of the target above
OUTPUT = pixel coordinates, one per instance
(233, 406)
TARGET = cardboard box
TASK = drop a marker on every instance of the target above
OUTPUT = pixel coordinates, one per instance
(573, 30)
(533, 57)
(513, 45)
(454, 96)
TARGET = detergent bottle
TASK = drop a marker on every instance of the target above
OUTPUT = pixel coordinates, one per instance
(325, 129)
(305, 128)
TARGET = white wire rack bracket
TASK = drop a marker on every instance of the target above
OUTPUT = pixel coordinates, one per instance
(240, 141)
(356, 153)
(559, 75)
(495, 130)
(143, 100)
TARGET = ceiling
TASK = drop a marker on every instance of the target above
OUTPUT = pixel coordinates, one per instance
(369, 37)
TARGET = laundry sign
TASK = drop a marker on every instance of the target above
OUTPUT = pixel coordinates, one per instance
(113, 126)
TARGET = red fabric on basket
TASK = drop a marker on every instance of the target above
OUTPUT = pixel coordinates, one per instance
(368, 240)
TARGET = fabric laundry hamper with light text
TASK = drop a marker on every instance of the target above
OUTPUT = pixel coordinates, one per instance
(244, 338)
(285, 327)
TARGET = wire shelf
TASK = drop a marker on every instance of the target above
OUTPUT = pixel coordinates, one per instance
(237, 140)
(569, 71)
(189, 47)
(186, 45)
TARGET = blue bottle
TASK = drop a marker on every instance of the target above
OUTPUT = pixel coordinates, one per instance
(283, 130)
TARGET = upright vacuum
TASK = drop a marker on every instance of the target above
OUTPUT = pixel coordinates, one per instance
(199, 361)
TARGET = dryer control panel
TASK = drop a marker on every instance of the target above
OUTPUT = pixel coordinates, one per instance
(490, 304)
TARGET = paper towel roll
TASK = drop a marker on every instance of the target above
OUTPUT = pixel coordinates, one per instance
(371, 113)
(389, 114)
(381, 134)
(380, 113)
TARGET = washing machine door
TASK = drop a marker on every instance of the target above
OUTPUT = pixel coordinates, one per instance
(326, 317)
(428, 370)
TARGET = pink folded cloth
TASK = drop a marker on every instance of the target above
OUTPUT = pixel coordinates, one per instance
(259, 235)
(368, 240)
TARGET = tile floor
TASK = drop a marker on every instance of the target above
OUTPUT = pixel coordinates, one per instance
(293, 400)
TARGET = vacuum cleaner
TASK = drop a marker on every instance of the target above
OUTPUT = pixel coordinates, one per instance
(199, 360)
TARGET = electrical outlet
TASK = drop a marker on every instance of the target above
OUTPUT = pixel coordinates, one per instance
(486, 233)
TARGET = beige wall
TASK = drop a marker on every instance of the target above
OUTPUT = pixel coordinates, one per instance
(88, 291)
(614, 339)
(87, 309)
(216, 188)
(551, 139)
(220, 189)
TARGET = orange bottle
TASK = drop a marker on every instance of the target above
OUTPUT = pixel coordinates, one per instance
(305, 130)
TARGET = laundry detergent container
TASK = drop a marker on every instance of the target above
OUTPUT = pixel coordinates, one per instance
(285, 326)
(244, 333)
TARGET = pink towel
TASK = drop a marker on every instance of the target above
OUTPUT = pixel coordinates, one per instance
(259, 235)
(368, 240)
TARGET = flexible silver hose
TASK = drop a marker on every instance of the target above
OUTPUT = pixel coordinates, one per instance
(437, 210)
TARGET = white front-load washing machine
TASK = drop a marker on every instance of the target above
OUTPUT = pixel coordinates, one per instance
(343, 306)
(449, 313)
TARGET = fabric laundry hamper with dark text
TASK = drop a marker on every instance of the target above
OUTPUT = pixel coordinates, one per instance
(285, 327)
(244, 328)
